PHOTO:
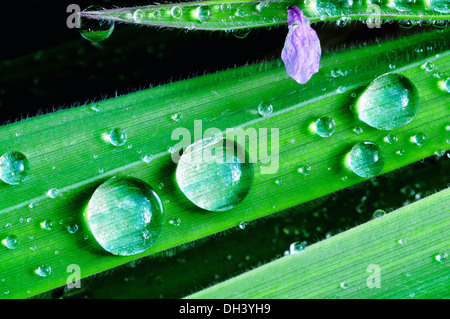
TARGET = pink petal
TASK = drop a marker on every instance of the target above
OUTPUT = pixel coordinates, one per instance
(301, 52)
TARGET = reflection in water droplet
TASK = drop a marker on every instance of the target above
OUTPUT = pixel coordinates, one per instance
(215, 174)
(14, 168)
(95, 30)
(125, 216)
(366, 159)
(389, 102)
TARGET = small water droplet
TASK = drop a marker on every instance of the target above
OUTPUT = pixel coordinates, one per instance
(14, 168)
(378, 213)
(43, 271)
(139, 15)
(428, 66)
(47, 224)
(265, 108)
(53, 193)
(400, 152)
(175, 221)
(358, 130)
(325, 126)
(125, 216)
(366, 159)
(147, 158)
(72, 229)
(203, 13)
(161, 185)
(177, 117)
(336, 72)
(392, 66)
(225, 7)
(390, 139)
(441, 257)
(243, 224)
(95, 30)
(11, 242)
(389, 102)
(419, 139)
(95, 108)
(341, 89)
(297, 247)
(241, 33)
(442, 6)
(118, 137)
(447, 86)
(343, 285)
(176, 12)
(278, 181)
(305, 170)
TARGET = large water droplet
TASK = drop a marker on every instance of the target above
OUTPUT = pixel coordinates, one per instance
(325, 126)
(95, 30)
(125, 216)
(11, 242)
(442, 6)
(389, 102)
(366, 159)
(118, 137)
(215, 174)
(14, 168)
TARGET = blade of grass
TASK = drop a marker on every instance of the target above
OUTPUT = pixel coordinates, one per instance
(397, 252)
(66, 151)
(230, 15)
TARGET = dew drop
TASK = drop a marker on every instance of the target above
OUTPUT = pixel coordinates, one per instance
(243, 224)
(215, 174)
(175, 222)
(265, 108)
(14, 168)
(442, 6)
(72, 229)
(441, 257)
(47, 224)
(325, 126)
(305, 170)
(341, 89)
(225, 7)
(125, 216)
(43, 271)
(343, 285)
(53, 193)
(336, 72)
(147, 158)
(177, 117)
(138, 15)
(358, 130)
(11, 242)
(297, 247)
(95, 30)
(389, 102)
(118, 137)
(366, 159)
(447, 85)
(176, 12)
(404, 5)
(378, 213)
(428, 66)
(391, 139)
(203, 13)
(278, 181)
(419, 139)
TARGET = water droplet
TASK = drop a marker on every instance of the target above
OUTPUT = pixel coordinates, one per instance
(139, 15)
(95, 108)
(72, 229)
(43, 271)
(243, 224)
(400, 152)
(441, 257)
(225, 7)
(118, 137)
(241, 33)
(14, 168)
(358, 130)
(343, 285)
(95, 30)
(215, 174)
(366, 159)
(265, 108)
(419, 138)
(147, 158)
(297, 247)
(11, 242)
(341, 89)
(53, 193)
(203, 13)
(404, 5)
(177, 117)
(390, 139)
(125, 216)
(47, 224)
(442, 6)
(378, 213)
(389, 102)
(428, 66)
(278, 181)
(305, 170)
(401, 241)
(336, 72)
(325, 126)
(392, 66)
(176, 12)
(447, 85)
(161, 185)
(175, 221)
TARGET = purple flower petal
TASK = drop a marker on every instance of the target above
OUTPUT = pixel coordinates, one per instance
(301, 52)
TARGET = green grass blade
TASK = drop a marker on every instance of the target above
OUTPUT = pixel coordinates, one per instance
(231, 15)
(66, 151)
(394, 256)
